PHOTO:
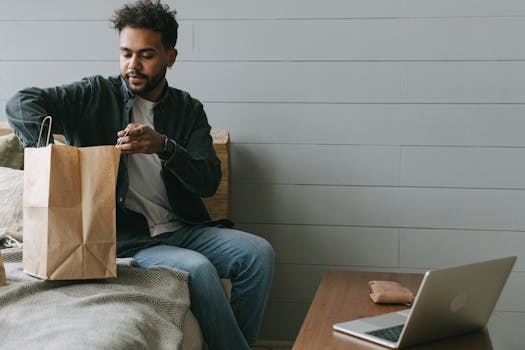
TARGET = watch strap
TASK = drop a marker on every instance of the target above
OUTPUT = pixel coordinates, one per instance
(169, 149)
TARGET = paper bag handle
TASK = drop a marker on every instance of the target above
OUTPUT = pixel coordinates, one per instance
(48, 131)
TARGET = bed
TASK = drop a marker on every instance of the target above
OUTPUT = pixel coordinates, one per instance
(140, 309)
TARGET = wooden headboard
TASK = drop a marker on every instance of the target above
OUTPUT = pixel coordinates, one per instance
(218, 205)
(4, 128)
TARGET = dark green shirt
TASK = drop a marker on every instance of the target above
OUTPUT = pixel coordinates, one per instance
(91, 112)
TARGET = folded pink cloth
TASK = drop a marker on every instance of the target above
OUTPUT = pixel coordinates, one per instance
(390, 292)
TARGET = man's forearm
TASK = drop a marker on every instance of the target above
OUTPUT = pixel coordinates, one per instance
(25, 112)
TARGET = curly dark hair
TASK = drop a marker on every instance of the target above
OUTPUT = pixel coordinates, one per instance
(151, 15)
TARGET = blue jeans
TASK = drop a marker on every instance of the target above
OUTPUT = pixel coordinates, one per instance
(212, 253)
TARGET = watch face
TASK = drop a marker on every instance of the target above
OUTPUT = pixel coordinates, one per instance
(169, 149)
(170, 146)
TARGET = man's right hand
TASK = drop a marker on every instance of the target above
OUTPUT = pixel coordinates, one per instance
(140, 138)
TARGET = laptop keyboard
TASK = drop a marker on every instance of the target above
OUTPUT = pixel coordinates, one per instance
(391, 333)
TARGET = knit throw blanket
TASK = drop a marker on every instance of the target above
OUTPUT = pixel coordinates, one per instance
(140, 309)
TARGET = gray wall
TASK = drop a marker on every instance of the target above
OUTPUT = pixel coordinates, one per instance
(367, 134)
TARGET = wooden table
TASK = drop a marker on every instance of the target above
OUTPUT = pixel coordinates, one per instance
(343, 296)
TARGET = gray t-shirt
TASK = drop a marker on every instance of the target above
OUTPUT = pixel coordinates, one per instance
(147, 193)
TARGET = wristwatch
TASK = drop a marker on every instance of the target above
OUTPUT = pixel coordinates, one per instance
(169, 149)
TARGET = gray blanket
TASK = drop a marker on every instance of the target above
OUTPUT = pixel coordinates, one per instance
(141, 309)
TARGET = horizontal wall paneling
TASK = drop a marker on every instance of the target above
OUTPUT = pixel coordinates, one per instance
(334, 82)
(372, 124)
(315, 164)
(316, 205)
(331, 245)
(233, 9)
(478, 167)
(355, 82)
(485, 209)
(70, 41)
(365, 39)
(441, 248)
(273, 326)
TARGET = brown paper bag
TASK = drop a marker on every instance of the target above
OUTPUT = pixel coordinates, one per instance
(69, 212)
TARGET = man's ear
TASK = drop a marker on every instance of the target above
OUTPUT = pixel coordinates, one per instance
(172, 56)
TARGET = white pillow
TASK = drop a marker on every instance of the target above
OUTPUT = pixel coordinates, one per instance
(11, 202)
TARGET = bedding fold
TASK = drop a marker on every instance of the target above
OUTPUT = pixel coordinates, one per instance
(141, 309)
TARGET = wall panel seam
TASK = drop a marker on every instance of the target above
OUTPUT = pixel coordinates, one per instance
(495, 230)
(289, 184)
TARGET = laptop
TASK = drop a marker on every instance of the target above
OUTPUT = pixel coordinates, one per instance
(450, 301)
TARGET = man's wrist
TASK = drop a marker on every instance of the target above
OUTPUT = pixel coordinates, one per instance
(168, 150)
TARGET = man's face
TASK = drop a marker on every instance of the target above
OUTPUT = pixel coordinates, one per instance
(143, 61)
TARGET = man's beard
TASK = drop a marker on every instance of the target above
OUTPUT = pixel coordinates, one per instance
(151, 82)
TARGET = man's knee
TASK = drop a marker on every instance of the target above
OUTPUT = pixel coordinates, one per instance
(265, 251)
(199, 266)
(261, 255)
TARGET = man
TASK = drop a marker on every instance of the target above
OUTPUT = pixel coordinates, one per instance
(168, 163)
